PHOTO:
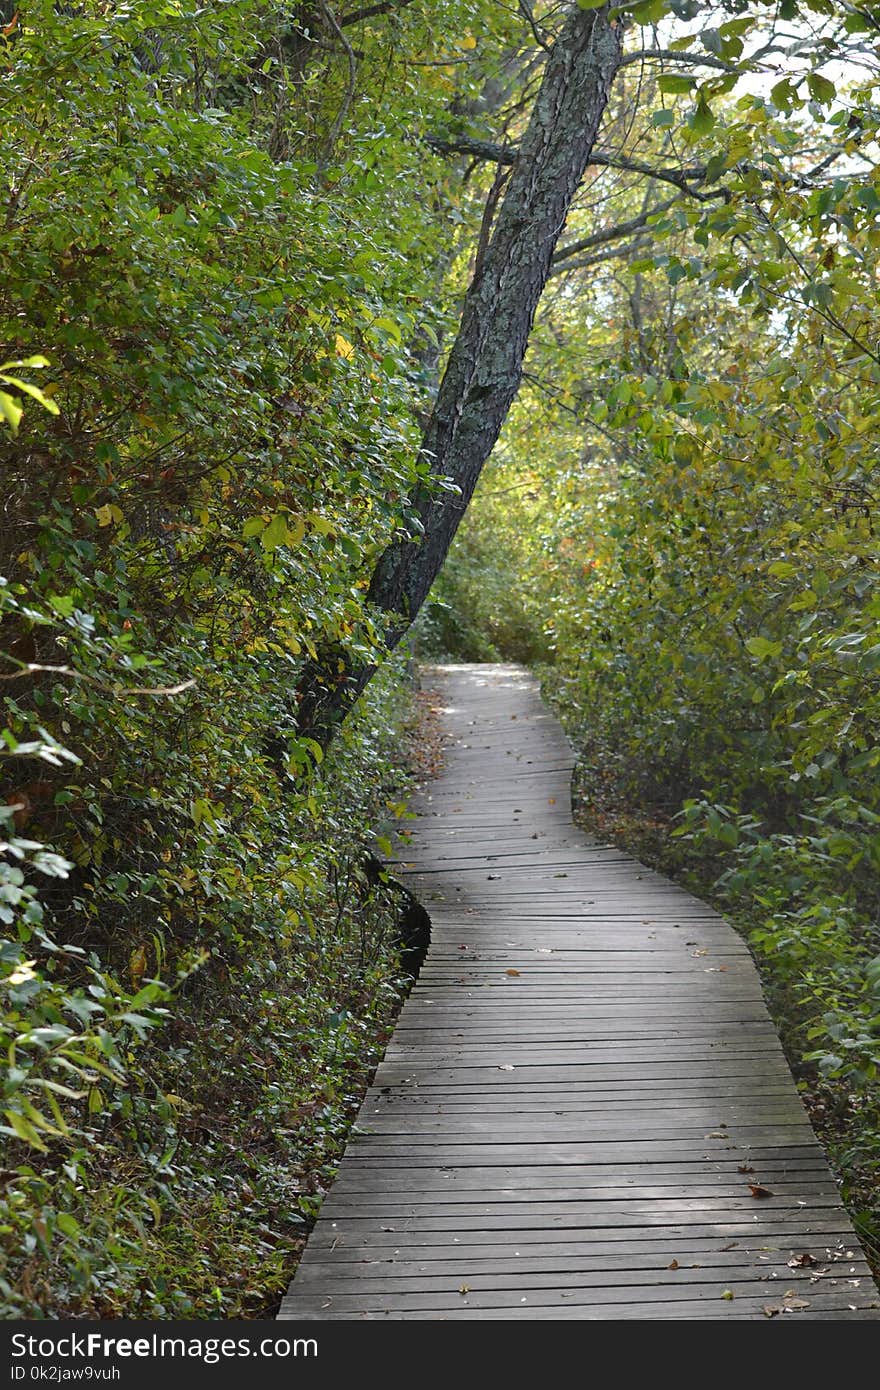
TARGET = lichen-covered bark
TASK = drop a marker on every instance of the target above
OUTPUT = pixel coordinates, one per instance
(485, 364)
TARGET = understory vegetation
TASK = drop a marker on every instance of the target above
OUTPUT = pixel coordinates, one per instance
(200, 964)
(236, 241)
(679, 532)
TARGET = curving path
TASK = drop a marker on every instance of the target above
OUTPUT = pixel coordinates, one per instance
(585, 1111)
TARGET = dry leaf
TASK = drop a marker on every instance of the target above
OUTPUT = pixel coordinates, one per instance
(745, 1168)
(728, 1294)
(464, 1288)
(673, 1265)
(802, 1261)
(772, 1310)
(513, 972)
(758, 1191)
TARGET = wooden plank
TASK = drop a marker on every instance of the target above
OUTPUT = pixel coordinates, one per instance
(582, 1085)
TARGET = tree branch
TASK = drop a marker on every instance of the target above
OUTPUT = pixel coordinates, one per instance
(369, 11)
(479, 149)
(600, 256)
(333, 23)
(622, 229)
(506, 154)
(697, 60)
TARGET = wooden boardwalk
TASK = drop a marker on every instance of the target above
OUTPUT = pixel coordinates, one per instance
(585, 1111)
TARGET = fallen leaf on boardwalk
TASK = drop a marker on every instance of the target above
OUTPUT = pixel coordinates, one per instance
(758, 1191)
(745, 1168)
(702, 952)
(551, 801)
(513, 972)
(715, 1134)
(673, 1264)
(506, 1066)
(464, 1288)
(802, 1261)
(795, 1302)
(732, 1246)
(728, 1294)
(772, 1310)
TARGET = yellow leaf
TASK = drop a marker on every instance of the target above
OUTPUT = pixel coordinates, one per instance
(468, 42)
(104, 515)
(344, 347)
(137, 964)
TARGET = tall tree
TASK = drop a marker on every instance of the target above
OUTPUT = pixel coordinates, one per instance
(485, 363)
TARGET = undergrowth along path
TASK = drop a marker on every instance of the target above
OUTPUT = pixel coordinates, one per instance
(585, 1111)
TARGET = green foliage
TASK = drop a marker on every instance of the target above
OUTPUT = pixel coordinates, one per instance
(241, 266)
(700, 419)
(197, 972)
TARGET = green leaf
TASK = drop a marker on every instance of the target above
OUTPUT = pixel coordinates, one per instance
(648, 11)
(24, 1130)
(11, 411)
(702, 119)
(821, 88)
(30, 390)
(783, 94)
(762, 647)
(675, 82)
(275, 533)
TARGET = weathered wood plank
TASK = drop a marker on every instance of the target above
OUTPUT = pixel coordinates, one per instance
(582, 1085)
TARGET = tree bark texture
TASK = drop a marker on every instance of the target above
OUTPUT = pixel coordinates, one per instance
(485, 363)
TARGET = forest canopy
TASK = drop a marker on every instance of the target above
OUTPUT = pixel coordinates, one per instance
(276, 281)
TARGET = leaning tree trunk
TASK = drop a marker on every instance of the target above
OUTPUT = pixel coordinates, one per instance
(485, 364)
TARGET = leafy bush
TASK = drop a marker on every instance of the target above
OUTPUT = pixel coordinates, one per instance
(198, 969)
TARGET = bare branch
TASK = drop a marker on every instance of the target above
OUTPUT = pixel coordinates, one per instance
(369, 11)
(622, 229)
(612, 254)
(343, 111)
(697, 60)
(34, 668)
(479, 149)
(506, 154)
(526, 10)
